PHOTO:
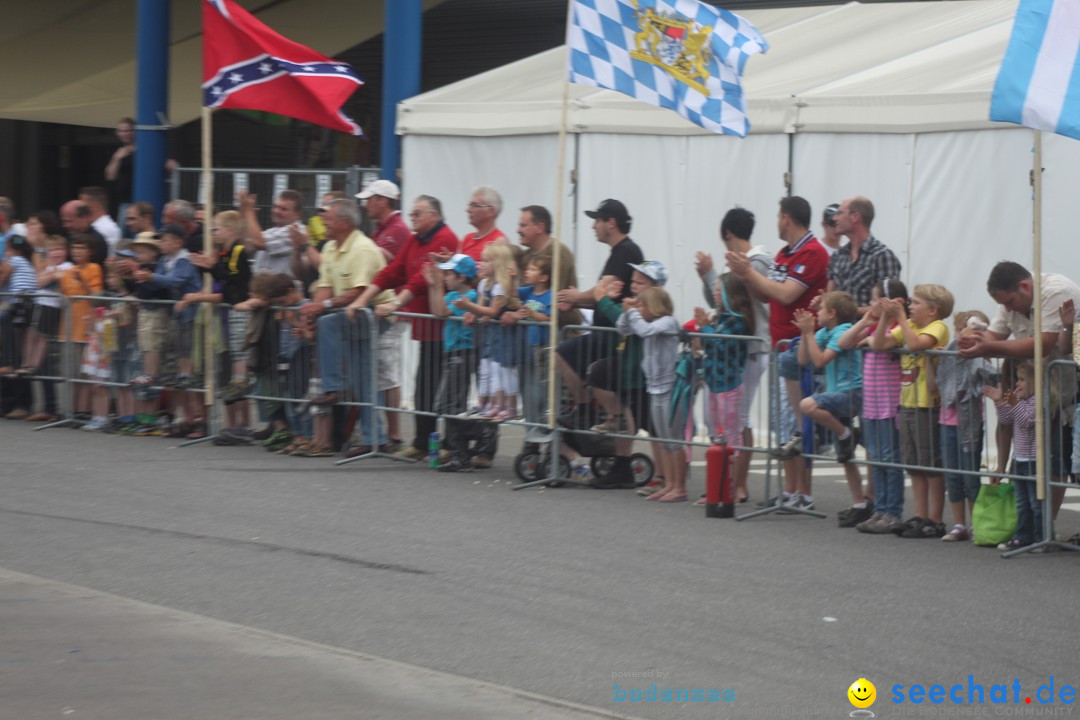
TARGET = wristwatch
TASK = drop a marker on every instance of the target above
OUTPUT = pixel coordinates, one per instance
(328, 304)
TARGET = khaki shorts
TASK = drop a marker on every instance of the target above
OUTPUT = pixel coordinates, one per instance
(153, 330)
(390, 356)
(920, 438)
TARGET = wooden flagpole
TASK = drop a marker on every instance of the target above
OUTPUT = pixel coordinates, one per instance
(208, 248)
(556, 254)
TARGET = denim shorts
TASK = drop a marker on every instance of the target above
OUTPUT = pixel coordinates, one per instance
(843, 405)
(789, 367)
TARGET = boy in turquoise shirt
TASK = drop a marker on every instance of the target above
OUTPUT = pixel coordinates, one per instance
(837, 407)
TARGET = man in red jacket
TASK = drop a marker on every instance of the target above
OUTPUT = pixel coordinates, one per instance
(406, 277)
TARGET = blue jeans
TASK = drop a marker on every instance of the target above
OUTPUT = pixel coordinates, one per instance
(882, 441)
(347, 357)
(1029, 509)
(955, 457)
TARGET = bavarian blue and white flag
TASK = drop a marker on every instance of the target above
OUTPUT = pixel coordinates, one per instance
(1038, 85)
(682, 55)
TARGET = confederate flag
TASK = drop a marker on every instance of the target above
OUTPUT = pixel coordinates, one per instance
(248, 66)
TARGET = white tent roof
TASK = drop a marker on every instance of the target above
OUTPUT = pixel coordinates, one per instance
(882, 67)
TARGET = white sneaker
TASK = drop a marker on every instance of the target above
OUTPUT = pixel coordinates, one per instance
(96, 424)
(798, 501)
(958, 533)
(581, 472)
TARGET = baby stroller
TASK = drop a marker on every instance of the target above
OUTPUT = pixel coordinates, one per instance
(534, 462)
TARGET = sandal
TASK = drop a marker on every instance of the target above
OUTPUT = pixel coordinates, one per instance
(180, 429)
(291, 448)
(700, 502)
(25, 371)
(302, 448)
(318, 450)
(198, 431)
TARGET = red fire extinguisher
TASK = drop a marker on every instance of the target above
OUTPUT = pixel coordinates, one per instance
(719, 495)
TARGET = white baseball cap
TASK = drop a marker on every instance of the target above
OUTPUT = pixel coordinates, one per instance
(385, 188)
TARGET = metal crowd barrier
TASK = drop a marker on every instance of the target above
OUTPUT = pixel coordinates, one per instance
(266, 184)
(594, 387)
(30, 326)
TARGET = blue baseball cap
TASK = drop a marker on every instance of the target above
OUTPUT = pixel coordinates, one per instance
(461, 264)
(652, 269)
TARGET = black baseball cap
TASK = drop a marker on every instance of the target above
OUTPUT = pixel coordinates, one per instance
(610, 210)
(830, 213)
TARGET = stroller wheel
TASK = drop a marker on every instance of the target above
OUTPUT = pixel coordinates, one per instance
(530, 466)
(601, 466)
(526, 464)
(642, 467)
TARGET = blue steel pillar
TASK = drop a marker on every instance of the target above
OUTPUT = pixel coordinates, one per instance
(401, 75)
(151, 100)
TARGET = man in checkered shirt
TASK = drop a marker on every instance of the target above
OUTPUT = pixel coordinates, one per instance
(864, 261)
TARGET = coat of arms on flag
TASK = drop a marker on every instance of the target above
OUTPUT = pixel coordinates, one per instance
(675, 44)
(682, 55)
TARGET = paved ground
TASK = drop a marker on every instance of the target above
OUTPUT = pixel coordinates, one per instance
(558, 592)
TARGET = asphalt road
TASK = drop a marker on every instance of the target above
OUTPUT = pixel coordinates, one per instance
(561, 592)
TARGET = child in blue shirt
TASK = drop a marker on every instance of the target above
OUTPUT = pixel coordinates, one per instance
(535, 298)
(176, 275)
(837, 407)
(448, 283)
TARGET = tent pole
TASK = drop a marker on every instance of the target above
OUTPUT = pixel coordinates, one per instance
(1036, 272)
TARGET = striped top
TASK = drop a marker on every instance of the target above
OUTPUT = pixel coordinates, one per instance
(23, 276)
(1022, 417)
(881, 384)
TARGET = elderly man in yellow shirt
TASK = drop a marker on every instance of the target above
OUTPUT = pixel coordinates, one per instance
(349, 261)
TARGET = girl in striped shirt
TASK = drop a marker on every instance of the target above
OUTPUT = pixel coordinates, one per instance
(881, 397)
(1017, 407)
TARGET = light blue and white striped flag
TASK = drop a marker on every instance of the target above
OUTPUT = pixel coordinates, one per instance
(682, 55)
(1038, 85)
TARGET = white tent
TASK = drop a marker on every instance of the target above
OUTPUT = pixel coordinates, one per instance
(886, 100)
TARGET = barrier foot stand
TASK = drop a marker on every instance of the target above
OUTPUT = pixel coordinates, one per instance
(197, 441)
(780, 508)
(1041, 547)
(542, 481)
(63, 422)
(376, 454)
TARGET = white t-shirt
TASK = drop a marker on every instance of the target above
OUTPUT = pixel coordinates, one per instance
(52, 300)
(109, 230)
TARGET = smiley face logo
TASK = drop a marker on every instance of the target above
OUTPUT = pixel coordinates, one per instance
(862, 693)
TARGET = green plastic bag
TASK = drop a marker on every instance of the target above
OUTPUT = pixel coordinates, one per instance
(993, 520)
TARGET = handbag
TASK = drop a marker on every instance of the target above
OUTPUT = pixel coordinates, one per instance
(993, 519)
